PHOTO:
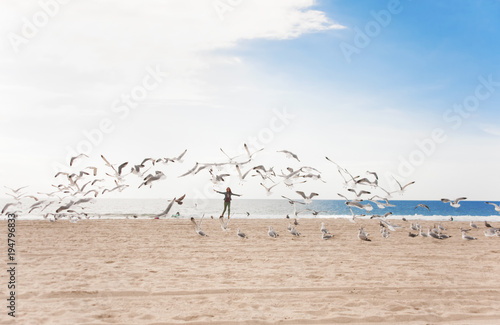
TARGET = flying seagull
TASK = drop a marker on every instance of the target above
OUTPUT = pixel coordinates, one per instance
(289, 154)
(455, 203)
(72, 160)
(307, 198)
(197, 227)
(423, 206)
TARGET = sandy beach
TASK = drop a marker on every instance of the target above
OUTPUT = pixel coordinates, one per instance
(162, 272)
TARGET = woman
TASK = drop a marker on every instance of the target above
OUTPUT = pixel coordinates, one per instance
(227, 201)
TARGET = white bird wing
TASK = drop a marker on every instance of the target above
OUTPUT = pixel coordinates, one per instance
(410, 183)
(181, 155)
(301, 194)
(168, 207)
(190, 171)
(201, 220)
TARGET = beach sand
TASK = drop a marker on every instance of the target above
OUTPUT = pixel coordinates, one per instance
(162, 272)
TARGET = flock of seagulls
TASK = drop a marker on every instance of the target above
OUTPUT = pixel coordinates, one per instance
(76, 188)
(437, 231)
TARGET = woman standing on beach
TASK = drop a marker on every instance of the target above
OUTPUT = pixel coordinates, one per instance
(227, 201)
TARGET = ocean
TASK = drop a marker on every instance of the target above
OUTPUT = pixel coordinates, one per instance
(269, 209)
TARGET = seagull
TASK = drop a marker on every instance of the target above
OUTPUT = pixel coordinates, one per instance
(353, 216)
(473, 225)
(363, 235)
(248, 151)
(216, 179)
(120, 168)
(423, 206)
(289, 154)
(307, 199)
(326, 236)
(179, 158)
(153, 161)
(467, 237)
(179, 200)
(343, 170)
(84, 200)
(94, 170)
(323, 229)
(197, 227)
(240, 234)
(433, 234)
(271, 232)
(292, 202)
(268, 189)
(455, 203)
(491, 232)
(380, 205)
(148, 180)
(358, 194)
(117, 187)
(8, 205)
(379, 216)
(367, 207)
(402, 188)
(164, 213)
(385, 232)
(15, 191)
(441, 227)
(486, 224)
(136, 170)
(242, 176)
(294, 232)
(315, 213)
(64, 207)
(497, 207)
(410, 234)
(109, 164)
(72, 160)
(231, 159)
(223, 224)
(390, 226)
(191, 171)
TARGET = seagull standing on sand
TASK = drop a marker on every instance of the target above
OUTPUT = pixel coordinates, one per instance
(294, 232)
(326, 236)
(240, 234)
(271, 232)
(363, 235)
(473, 225)
(467, 237)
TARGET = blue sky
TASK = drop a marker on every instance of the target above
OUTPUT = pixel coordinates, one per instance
(227, 74)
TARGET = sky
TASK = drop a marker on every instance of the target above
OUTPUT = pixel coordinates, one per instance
(408, 89)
